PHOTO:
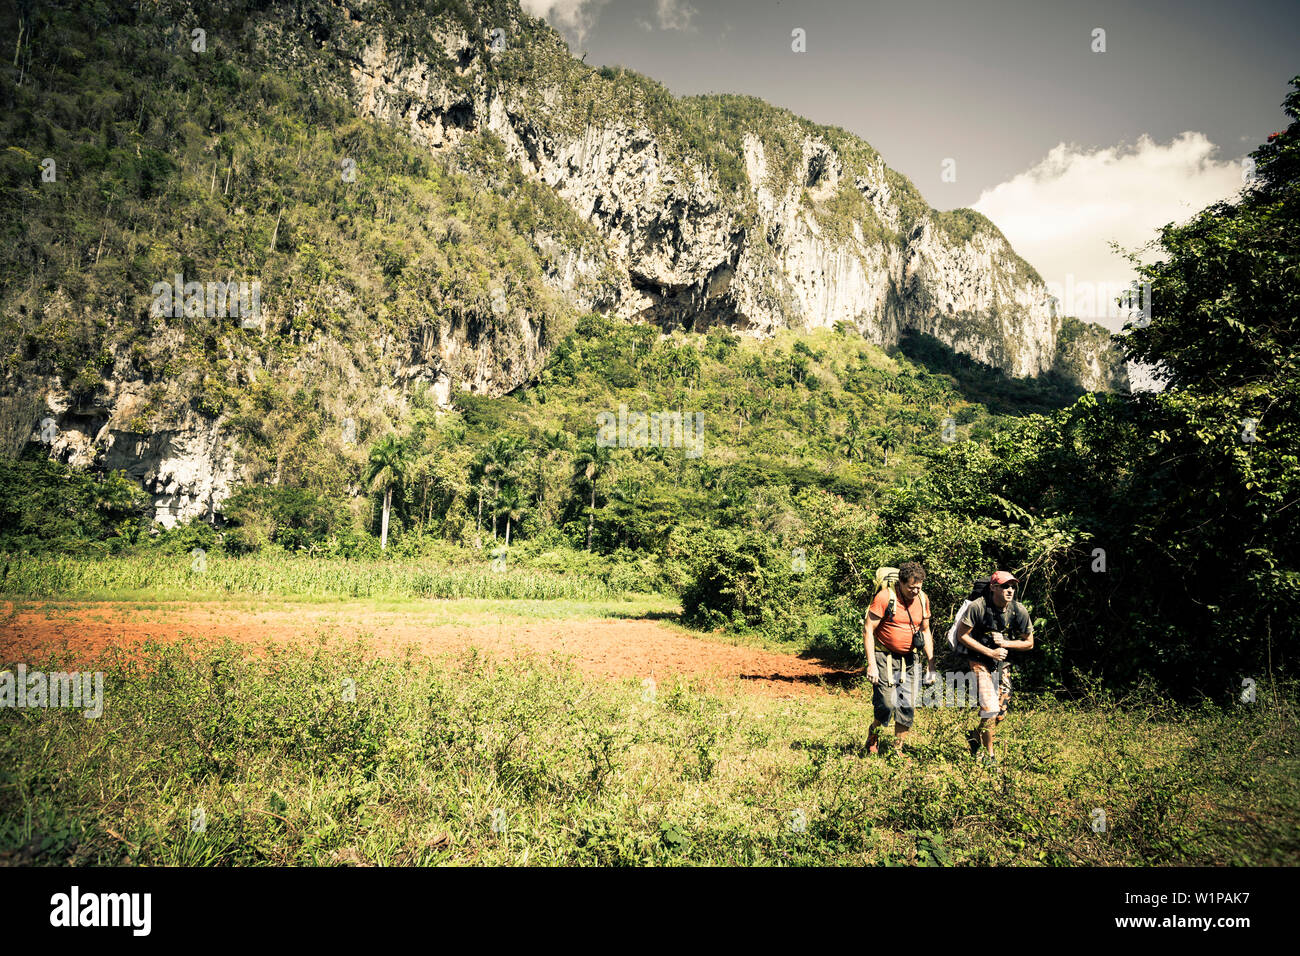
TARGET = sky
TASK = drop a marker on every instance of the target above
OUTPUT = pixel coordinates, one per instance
(1068, 138)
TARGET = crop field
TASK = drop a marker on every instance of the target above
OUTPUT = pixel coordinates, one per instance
(172, 575)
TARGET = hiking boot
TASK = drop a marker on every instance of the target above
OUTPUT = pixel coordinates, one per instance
(987, 760)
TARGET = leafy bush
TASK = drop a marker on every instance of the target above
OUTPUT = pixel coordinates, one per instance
(740, 582)
(293, 518)
(184, 538)
(45, 505)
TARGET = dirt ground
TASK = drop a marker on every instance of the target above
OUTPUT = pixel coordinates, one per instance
(611, 648)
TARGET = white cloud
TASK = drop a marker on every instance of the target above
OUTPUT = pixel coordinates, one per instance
(574, 17)
(670, 15)
(675, 14)
(1061, 214)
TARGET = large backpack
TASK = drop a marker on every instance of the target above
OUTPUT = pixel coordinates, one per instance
(886, 579)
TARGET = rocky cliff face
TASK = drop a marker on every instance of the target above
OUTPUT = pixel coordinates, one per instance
(692, 213)
(188, 463)
(687, 253)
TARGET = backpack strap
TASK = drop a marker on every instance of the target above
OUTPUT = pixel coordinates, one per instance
(1013, 608)
(889, 611)
(893, 601)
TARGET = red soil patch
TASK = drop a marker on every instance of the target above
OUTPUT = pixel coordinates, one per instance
(612, 648)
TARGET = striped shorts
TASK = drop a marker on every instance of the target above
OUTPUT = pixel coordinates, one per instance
(994, 683)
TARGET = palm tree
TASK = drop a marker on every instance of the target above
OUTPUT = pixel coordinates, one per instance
(492, 469)
(550, 441)
(652, 452)
(626, 493)
(592, 462)
(643, 339)
(511, 504)
(479, 471)
(661, 360)
(718, 479)
(887, 440)
(688, 364)
(500, 460)
(389, 459)
(854, 445)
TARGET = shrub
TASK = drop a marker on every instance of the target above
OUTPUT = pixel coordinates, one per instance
(47, 505)
(741, 582)
(184, 538)
(293, 518)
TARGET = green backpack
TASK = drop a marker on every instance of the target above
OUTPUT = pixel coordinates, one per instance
(886, 579)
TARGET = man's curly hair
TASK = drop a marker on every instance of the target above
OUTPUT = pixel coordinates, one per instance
(911, 571)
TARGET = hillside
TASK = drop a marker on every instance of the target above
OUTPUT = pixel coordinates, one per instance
(417, 210)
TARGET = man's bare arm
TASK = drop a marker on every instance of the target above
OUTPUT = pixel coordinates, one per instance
(869, 639)
(1026, 645)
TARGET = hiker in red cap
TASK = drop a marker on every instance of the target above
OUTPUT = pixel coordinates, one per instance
(994, 625)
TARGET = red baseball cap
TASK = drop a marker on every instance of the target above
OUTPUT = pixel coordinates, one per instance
(1003, 577)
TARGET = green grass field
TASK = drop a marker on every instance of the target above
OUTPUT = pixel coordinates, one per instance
(203, 757)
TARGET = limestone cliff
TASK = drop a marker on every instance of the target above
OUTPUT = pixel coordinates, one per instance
(824, 234)
(680, 212)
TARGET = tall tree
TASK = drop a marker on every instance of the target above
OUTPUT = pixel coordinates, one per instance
(1182, 503)
(593, 462)
(551, 442)
(626, 496)
(479, 476)
(388, 462)
(886, 440)
(511, 504)
(502, 457)
(1234, 268)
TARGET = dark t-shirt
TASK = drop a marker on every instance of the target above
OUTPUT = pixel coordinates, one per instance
(984, 618)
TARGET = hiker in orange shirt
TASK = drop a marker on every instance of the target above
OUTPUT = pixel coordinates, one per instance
(896, 627)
